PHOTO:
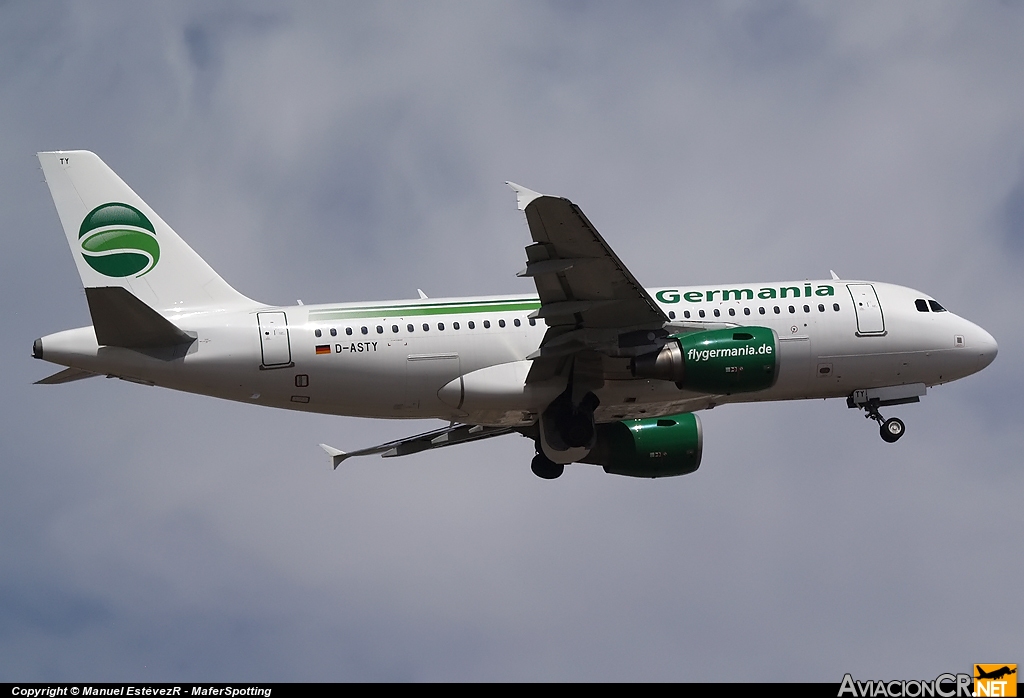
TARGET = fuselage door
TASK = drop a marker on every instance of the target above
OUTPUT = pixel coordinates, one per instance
(868, 309)
(274, 340)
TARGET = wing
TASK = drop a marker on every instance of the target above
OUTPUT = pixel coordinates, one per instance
(593, 306)
(581, 282)
(446, 436)
(66, 376)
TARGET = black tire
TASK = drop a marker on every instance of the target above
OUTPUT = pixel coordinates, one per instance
(579, 431)
(892, 429)
(544, 468)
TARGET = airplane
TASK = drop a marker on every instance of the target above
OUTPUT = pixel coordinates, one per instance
(592, 367)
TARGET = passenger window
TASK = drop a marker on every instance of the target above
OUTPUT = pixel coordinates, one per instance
(317, 333)
(516, 322)
(761, 310)
(394, 328)
(334, 332)
(746, 311)
(364, 330)
(501, 323)
(409, 328)
(807, 308)
(686, 314)
(777, 311)
(671, 315)
(533, 321)
(440, 326)
(821, 307)
(348, 331)
(472, 325)
(732, 311)
(380, 329)
(792, 309)
(835, 307)
(487, 324)
(701, 313)
(717, 313)
(426, 327)
(922, 305)
(936, 308)
(455, 325)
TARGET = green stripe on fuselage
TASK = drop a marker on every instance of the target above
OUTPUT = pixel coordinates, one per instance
(424, 309)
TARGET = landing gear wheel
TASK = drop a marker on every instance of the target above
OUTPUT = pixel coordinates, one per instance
(544, 468)
(892, 429)
(579, 431)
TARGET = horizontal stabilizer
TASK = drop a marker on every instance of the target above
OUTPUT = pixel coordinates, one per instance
(122, 320)
(66, 376)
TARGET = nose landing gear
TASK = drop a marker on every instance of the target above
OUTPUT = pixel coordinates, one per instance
(871, 399)
(889, 429)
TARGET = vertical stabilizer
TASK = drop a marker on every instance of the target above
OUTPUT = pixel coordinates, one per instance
(117, 240)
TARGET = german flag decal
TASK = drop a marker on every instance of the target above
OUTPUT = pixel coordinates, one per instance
(323, 348)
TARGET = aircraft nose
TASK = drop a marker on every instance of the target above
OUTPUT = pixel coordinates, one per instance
(986, 347)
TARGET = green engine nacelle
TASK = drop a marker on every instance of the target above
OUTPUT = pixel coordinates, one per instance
(737, 360)
(656, 447)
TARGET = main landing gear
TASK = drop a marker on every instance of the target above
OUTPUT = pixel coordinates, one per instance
(543, 467)
(889, 429)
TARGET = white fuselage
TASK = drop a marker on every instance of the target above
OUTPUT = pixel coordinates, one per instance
(466, 360)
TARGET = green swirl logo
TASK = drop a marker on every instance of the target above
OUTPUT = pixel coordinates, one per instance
(118, 240)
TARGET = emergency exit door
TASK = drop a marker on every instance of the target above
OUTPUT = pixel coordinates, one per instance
(868, 309)
(274, 340)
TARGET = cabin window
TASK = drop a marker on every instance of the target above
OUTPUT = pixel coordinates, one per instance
(732, 311)
(364, 330)
(777, 311)
(409, 328)
(761, 310)
(533, 321)
(334, 332)
(426, 327)
(348, 330)
(516, 322)
(501, 323)
(807, 308)
(717, 313)
(318, 333)
(746, 311)
(394, 328)
(380, 329)
(922, 305)
(792, 309)
(671, 315)
(455, 325)
(835, 307)
(936, 308)
(701, 313)
(821, 307)
(472, 325)
(686, 314)
(487, 324)
(440, 326)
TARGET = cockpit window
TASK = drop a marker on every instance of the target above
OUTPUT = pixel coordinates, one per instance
(922, 305)
(936, 308)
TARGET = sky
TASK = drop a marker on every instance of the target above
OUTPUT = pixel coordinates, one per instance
(358, 151)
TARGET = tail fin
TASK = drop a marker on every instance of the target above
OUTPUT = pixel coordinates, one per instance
(119, 241)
